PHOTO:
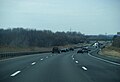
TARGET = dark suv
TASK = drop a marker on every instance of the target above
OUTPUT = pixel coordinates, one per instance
(56, 50)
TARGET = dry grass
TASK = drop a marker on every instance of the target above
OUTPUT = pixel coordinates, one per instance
(22, 49)
(29, 49)
(111, 51)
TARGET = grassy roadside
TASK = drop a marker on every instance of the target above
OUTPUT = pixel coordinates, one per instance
(111, 51)
(23, 49)
(10, 52)
(4, 49)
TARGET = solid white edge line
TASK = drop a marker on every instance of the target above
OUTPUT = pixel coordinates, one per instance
(33, 63)
(14, 74)
(104, 60)
(84, 68)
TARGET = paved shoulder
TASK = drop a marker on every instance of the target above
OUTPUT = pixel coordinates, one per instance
(99, 71)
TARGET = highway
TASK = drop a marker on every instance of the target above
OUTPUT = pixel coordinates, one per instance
(64, 67)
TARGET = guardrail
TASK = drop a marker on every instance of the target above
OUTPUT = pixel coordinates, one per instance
(15, 54)
(108, 58)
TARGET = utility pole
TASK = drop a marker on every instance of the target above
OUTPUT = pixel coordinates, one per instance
(70, 29)
(106, 33)
(106, 36)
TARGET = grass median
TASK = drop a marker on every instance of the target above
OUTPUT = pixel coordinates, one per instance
(111, 51)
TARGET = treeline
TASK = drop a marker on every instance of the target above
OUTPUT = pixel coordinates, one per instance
(21, 37)
(99, 37)
(116, 41)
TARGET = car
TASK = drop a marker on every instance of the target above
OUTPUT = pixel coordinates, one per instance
(56, 50)
(85, 50)
(63, 50)
(80, 51)
(67, 49)
(71, 49)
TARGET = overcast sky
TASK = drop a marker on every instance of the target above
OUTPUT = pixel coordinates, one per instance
(85, 16)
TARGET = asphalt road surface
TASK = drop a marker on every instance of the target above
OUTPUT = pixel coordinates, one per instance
(64, 67)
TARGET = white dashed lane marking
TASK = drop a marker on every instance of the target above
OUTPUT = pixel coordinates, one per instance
(76, 62)
(73, 58)
(33, 63)
(14, 74)
(47, 57)
(84, 68)
(41, 59)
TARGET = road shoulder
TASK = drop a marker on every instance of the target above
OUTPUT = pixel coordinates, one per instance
(97, 53)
